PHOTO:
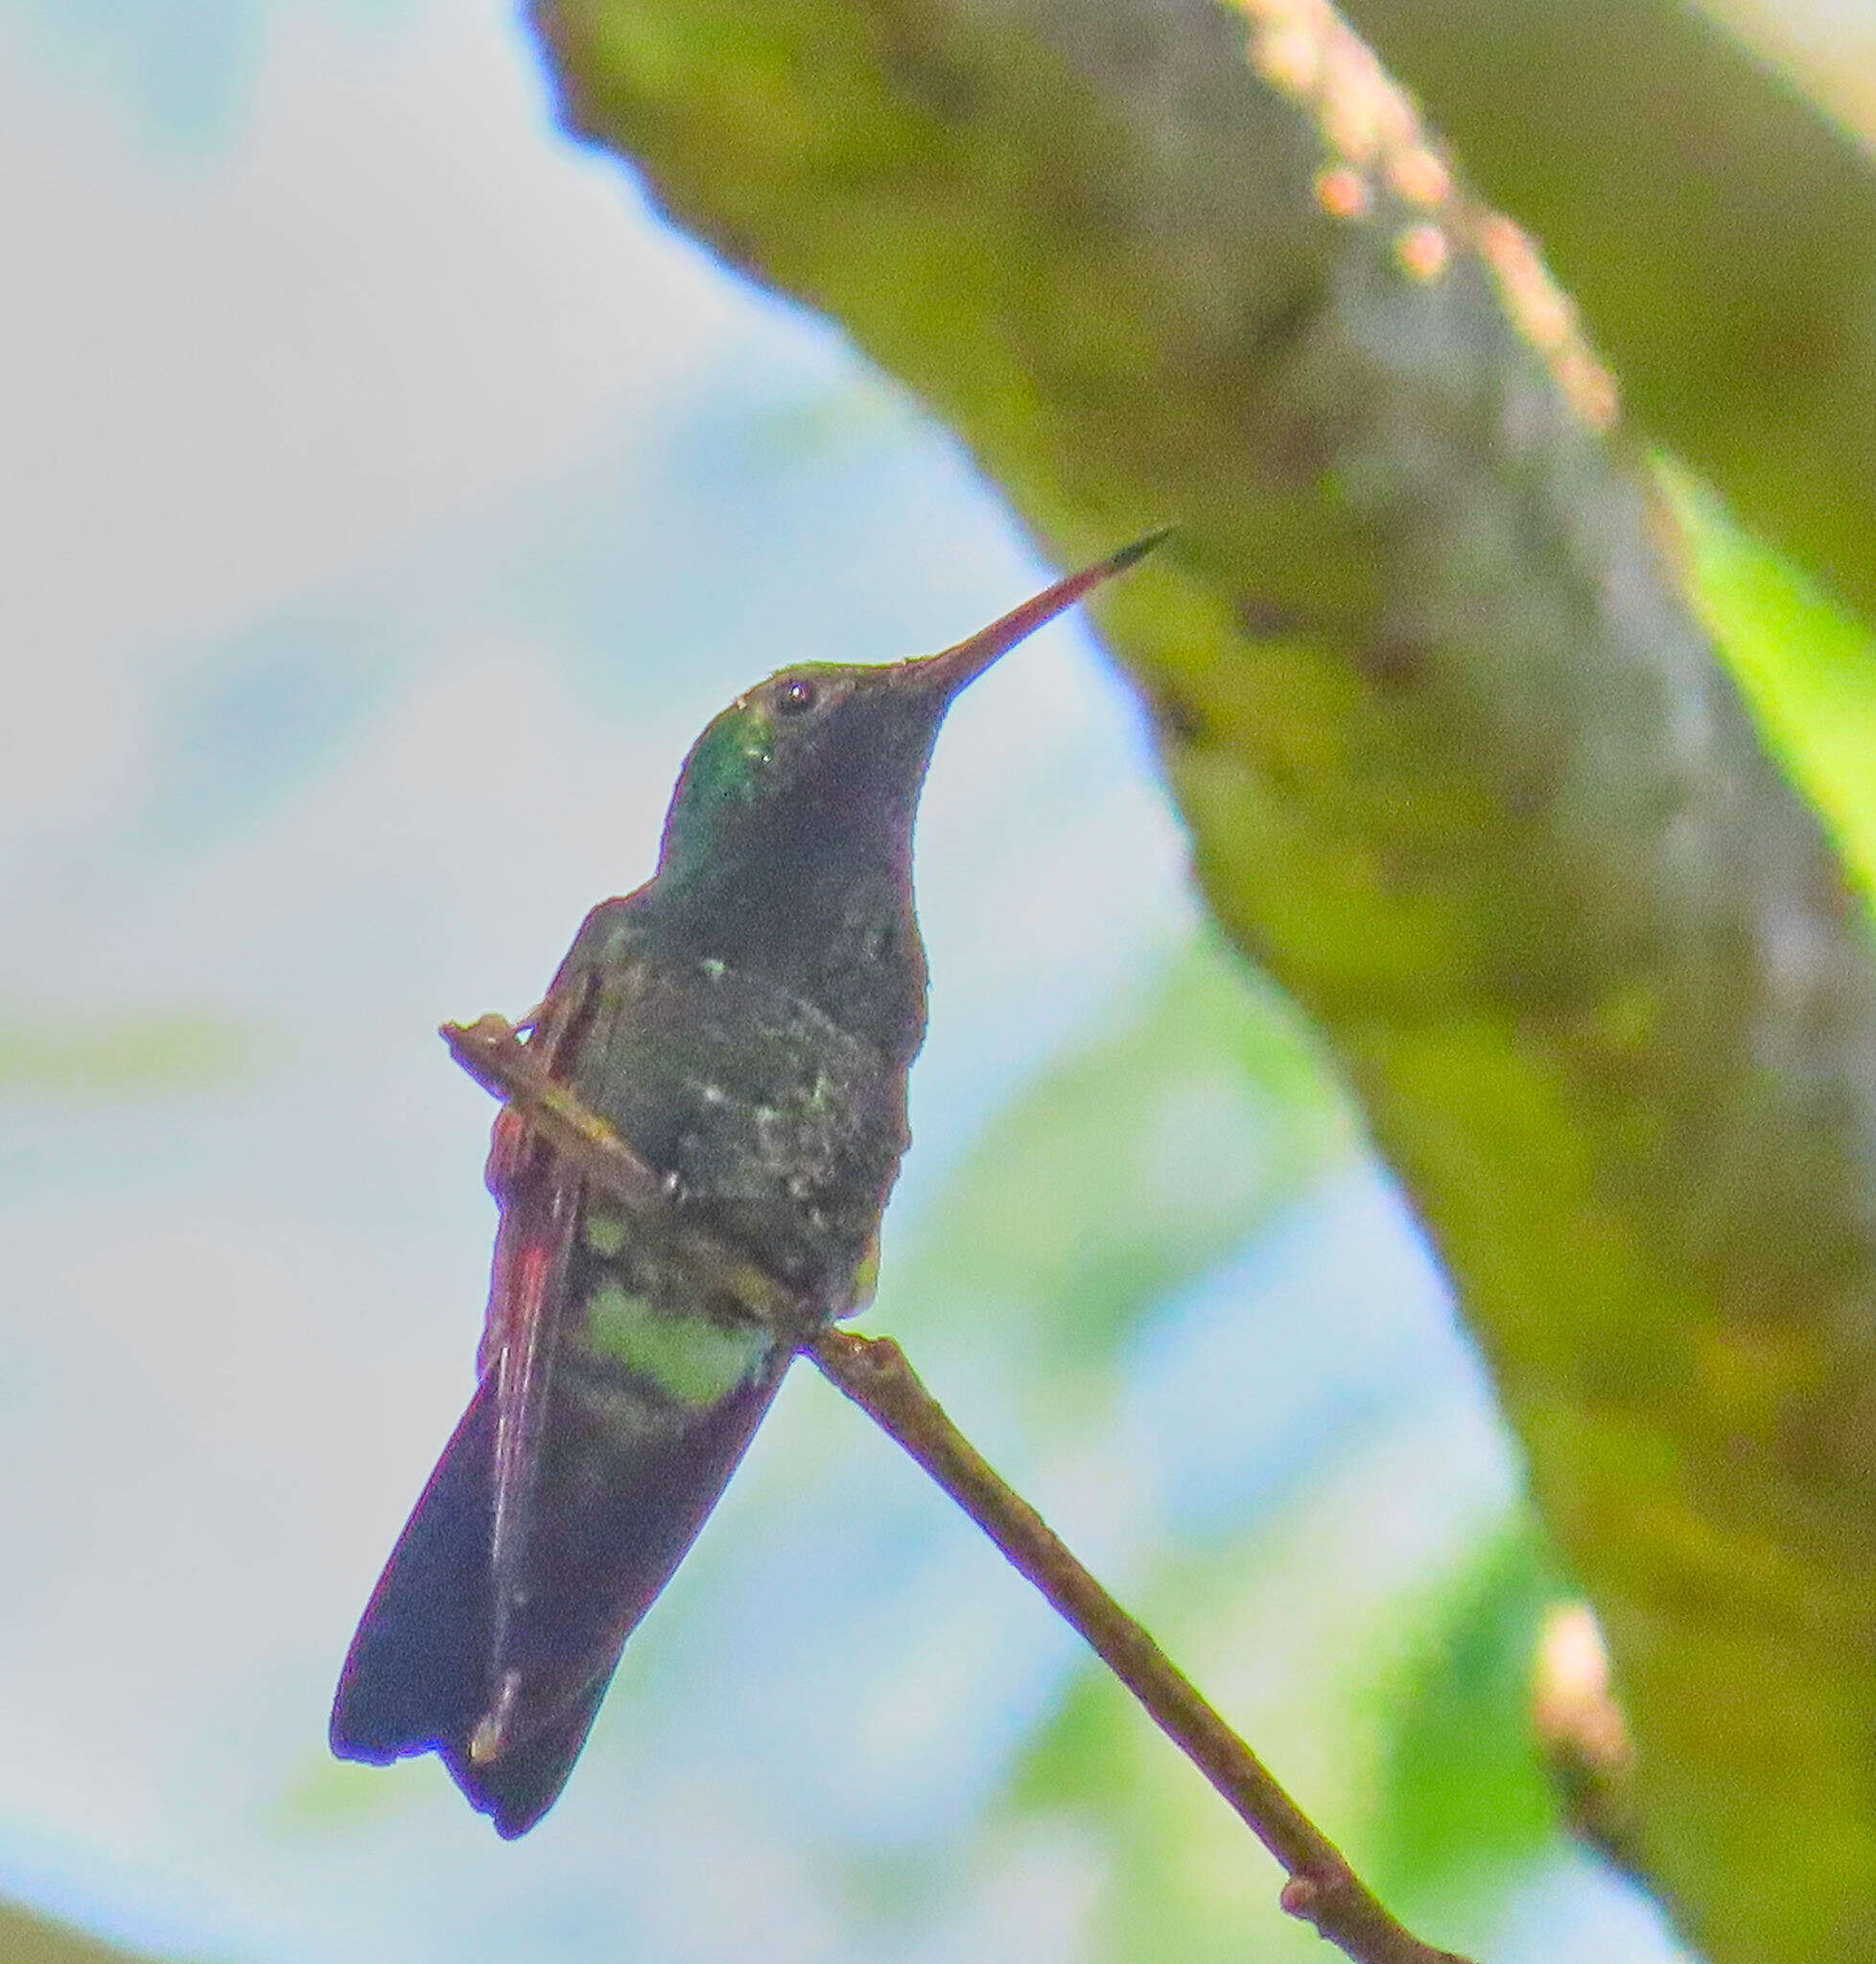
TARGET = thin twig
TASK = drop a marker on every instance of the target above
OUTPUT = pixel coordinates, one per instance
(873, 1372)
(1322, 1888)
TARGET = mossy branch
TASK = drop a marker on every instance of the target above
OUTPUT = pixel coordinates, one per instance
(1717, 227)
(1322, 1888)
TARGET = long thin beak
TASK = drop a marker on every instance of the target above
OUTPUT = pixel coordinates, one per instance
(945, 674)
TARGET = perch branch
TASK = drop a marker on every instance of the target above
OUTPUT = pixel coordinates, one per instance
(873, 1372)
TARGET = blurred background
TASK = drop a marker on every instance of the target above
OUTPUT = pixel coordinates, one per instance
(388, 500)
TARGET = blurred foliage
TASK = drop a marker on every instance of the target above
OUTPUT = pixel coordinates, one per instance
(1178, 1878)
(1465, 1797)
(29, 1939)
(1127, 1170)
(155, 1054)
(1807, 665)
(1460, 1809)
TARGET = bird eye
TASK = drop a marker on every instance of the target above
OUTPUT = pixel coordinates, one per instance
(797, 697)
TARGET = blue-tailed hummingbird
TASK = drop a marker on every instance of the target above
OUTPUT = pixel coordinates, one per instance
(745, 1021)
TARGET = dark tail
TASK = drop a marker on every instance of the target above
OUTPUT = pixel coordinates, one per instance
(615, 1515)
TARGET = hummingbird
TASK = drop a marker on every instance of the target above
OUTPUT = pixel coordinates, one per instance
(745, 1022)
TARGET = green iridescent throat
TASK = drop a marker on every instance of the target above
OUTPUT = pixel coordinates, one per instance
(725, 768)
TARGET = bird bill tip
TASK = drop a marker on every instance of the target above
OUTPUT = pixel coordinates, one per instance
(957, 666)
(1131, 556)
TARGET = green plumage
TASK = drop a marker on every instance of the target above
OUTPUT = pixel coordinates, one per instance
(744, 1022)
